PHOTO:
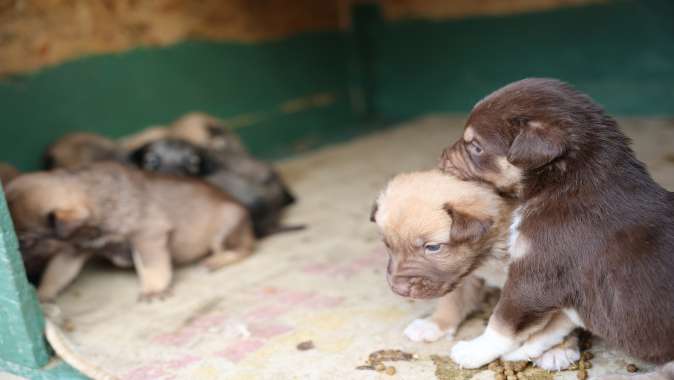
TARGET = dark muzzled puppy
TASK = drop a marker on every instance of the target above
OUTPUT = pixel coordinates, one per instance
(161, 220)
(197, 146)
(593, 235)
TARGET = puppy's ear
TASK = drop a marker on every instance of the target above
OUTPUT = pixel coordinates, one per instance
(466, 228)
(535, 145)
(373, 213)
(65, 222)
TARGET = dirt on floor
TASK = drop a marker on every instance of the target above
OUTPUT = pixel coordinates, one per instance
(324, 285)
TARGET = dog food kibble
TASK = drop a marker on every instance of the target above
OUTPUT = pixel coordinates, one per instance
(587, 355)
(588, 365)
(511, 377)
(390, 371)
(500, 376)
(581, 375)
(519, 366)
(379, 367)
(494, 366)
(509, 372)
(308, 345)
(631, 368)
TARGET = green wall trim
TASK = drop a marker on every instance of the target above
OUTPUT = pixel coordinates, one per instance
(621, 53)
(21, 323)
(285, 94)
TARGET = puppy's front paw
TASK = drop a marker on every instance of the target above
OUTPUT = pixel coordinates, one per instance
(425, 330)
(148, 297)
(470, 354)
(558, 358)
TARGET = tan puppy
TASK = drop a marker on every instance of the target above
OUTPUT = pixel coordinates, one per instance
(447, 238)
(165, 220)
(76, 149)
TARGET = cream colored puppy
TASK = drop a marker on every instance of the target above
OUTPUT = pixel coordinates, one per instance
(447, 238)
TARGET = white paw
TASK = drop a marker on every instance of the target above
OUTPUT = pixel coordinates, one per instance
(527, 351)
(470, 354)
(424, 330)
(558, 358)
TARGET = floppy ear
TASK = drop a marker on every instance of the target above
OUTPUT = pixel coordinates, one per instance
(373, 213)
(535, 146)
(66, 221)
(466, 228)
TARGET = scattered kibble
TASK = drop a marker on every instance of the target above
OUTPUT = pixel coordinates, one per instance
(511, 377)
(631, 368)
(581, 375)
(379, 367)
(588, 365)
(303, 346)
(509, 372)
(390, 371)
(587, 355)
(500, 376)
(519, 366)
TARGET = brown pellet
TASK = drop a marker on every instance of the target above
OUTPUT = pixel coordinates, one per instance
(581, 364)
(581, 375)
(500, 376)
(521, 375)
(519, 366)
(307, 345)
(493, 366)
(587, 355)
(380, 367)
(588, 365)
(632, 368)
(390, 371)
(511, 377)
(509, 372)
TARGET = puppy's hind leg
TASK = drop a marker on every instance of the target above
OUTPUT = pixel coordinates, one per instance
(551, 335)
(61, 271)
(152, 261)
(234, 242)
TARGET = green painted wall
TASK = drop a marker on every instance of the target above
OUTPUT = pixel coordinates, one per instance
(621, 53)
(118, 94)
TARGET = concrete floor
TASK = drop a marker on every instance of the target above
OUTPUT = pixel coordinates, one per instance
(325, 285)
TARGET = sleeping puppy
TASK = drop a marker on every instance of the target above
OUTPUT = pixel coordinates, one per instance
(163, 219)
(76, 149)
(447, 238)
(200, 145)
(593, 235)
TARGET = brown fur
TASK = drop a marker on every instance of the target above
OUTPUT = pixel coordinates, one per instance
(165, 220)
(599, 230)
(76, 149)
(7, 173)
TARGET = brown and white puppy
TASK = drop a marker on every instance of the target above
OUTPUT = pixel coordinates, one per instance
(447, 238)
(77, 149)
(593, 235)
(7, 173)
(164, 220)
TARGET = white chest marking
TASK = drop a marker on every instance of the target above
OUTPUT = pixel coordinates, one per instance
(518, 245)
(574, 317)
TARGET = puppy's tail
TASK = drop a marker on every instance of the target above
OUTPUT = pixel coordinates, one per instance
(284, 228)
(64, 349)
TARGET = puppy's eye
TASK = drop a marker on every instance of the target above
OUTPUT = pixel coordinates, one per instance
(475, 148)
(432, 249)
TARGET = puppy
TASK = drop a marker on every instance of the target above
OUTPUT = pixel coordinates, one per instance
(446, 238)
(164, 220)
(199, 145)
(7, 173)
(80, 148)
(593, 235)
